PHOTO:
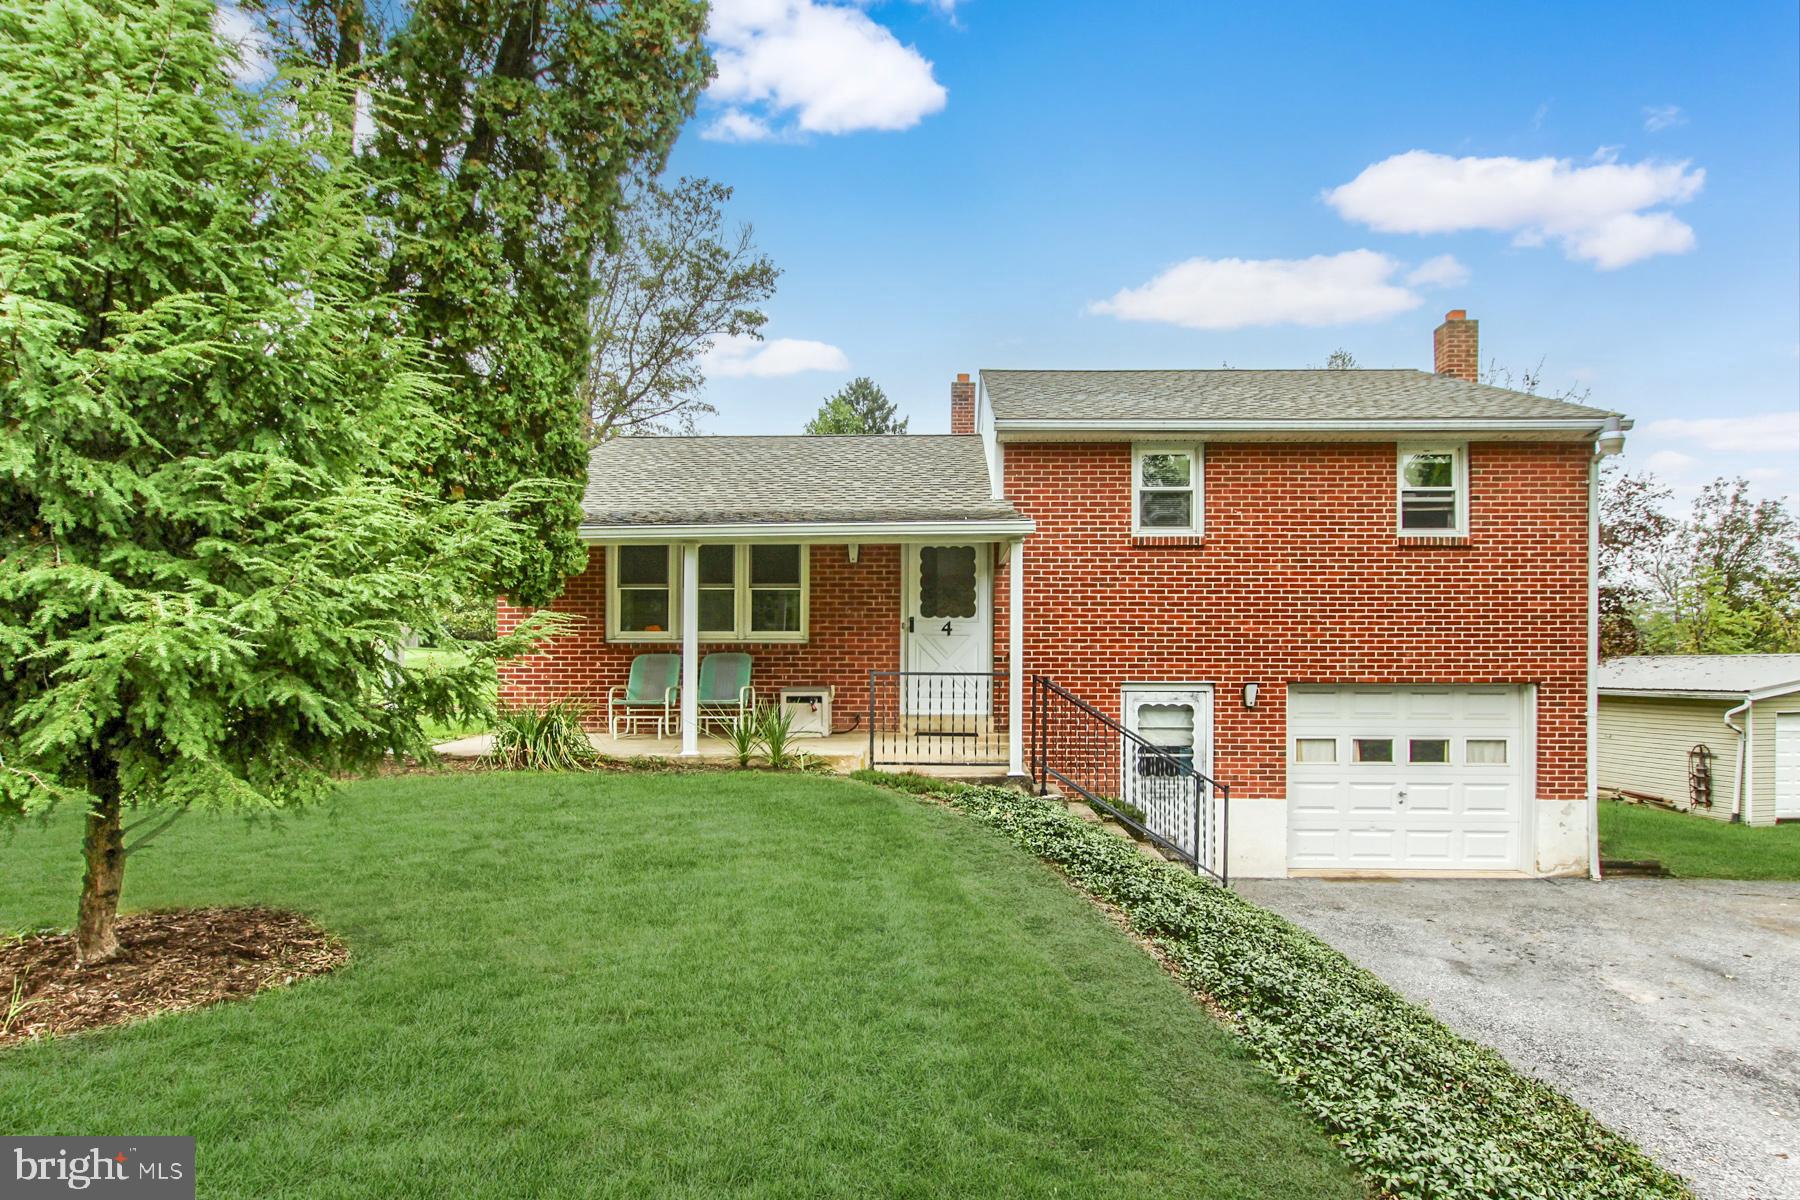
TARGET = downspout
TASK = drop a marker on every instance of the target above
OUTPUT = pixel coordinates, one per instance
(1609, 441)
(1743, 760)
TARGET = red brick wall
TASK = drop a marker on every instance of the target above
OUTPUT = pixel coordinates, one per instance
(853, 616)
(1301, 578)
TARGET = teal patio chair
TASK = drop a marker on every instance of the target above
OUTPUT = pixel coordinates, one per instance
(648, 697)
(726, 696)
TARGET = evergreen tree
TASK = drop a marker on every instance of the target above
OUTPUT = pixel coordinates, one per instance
(506, 133)
(211, 537)
(860, 406)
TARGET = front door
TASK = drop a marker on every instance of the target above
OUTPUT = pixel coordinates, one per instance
(946, 629)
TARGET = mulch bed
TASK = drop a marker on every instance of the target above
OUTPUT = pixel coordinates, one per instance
(172, 960)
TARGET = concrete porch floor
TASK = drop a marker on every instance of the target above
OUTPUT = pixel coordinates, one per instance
(845, 752)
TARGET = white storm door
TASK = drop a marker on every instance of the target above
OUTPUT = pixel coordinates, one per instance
(1159, 795)
(1787, 766)
(947, 622)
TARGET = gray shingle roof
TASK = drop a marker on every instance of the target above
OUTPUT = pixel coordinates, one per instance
(1228, 395)
(751, 480)
(1726, 674)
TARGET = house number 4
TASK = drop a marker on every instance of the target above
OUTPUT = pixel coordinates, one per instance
(947, 629)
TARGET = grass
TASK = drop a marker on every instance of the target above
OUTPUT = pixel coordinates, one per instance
(662, 985)
(432, 656)
(1696, 847)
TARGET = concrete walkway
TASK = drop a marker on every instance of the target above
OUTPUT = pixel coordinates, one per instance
(1668, 1008)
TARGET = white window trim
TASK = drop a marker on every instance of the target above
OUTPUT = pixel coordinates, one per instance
(1459, 462)
(1196, 484)
(741, 607)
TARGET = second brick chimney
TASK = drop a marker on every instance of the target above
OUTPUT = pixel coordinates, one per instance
(1456, 347)
(962, 405)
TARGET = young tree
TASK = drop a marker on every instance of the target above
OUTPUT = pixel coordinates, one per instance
(1635, 531)
(860, 406)
(506, 134)
(678, 283)
(211, 538)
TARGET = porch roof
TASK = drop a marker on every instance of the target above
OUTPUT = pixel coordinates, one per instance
(846, 486)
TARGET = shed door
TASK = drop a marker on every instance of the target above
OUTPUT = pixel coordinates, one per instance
(1787, 766)
(1405, 778)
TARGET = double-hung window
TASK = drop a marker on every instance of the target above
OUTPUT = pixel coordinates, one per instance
(1433, 490)
(1168, 493)
(744, 593)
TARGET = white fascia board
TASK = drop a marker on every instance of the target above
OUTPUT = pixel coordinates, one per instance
(1720, 696)
(1590, 425)
(1779, 689)
(847, 532)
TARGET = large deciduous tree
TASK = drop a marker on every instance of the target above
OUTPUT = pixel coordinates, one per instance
(678, 282)
(506, 135)
(212, 538)
(860, 406)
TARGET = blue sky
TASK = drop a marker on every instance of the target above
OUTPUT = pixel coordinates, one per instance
(1611, 189)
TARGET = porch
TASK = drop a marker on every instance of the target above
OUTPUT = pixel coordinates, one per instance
(842, 752)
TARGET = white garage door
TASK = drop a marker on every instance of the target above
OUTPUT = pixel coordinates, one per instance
(1405, 778)
(1787, 765)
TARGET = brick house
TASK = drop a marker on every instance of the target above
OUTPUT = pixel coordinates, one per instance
(1360, 602)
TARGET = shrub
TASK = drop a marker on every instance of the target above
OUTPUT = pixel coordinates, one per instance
(744, 736)
(550, 738)
(775, 725)
(1421, 1111)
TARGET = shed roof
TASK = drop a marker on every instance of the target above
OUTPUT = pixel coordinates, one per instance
(675, 481)
(1254, 395)
(1700, 674)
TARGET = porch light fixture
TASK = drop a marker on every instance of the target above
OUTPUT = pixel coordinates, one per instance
(1250, 690)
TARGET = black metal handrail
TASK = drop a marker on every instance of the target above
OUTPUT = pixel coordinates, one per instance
(937, 718)
(1152, 791)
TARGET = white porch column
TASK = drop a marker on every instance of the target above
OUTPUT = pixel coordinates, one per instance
(690, 649)
(1015, 658)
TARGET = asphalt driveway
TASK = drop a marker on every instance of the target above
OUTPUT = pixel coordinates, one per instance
(1669, 1008)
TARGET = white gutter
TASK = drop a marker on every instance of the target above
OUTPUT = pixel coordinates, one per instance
(990, 529)
(1590, 425)
(1743, 759)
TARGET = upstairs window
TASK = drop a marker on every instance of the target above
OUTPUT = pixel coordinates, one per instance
(1167, 491)
(1433, 490)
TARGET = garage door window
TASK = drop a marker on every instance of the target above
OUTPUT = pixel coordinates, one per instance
(1485, 752)
(1374, 750)
(1315, 750)
(1428, 750)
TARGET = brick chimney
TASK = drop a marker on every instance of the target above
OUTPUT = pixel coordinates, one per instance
(962, 405)
(1456, 347)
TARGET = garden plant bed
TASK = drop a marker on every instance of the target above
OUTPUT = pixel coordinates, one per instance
(173, 960)
(1420, 1110)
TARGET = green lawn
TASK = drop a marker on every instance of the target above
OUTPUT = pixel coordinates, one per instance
(663, 985)
(431, 656)
(1696, 847)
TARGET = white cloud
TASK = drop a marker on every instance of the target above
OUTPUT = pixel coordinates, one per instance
(746, 357)
(246, 35)
(736, 125)
(1234, 293)
(1761, 433)
(1442, 271)
(828, 68)
(1595, 212)
(1658, 117)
